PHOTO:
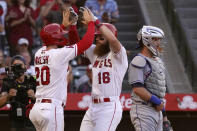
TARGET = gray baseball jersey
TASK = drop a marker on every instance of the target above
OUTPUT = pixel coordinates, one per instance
(148, 73)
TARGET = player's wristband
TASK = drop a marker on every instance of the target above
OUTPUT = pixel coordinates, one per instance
(98, 24)
(155, 100)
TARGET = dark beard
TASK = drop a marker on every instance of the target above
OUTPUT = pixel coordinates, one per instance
(101, 50)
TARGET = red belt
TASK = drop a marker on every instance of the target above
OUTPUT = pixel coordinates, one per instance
(107, 99)
(49, 101)
(46, 101)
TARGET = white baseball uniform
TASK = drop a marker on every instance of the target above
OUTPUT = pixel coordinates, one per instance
(105, 111)
(51, 67)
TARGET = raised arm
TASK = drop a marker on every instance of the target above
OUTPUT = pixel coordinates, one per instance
(87, 40)
(88, 20)
(45, 9)
(73, 35)
(114, 43)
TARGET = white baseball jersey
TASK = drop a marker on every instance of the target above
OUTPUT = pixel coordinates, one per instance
(51, 71)
(108, 72)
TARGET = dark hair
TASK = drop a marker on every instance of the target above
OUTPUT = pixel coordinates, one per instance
(15, 2)
(140, 44)
(18, 57)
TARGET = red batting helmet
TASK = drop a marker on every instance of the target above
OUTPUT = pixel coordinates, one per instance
(53, 34)
(109, 26)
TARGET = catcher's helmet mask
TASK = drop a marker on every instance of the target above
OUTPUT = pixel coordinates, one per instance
(146, 35)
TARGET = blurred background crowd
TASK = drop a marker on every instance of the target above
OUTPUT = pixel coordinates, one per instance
(22, 20)
(20, 25)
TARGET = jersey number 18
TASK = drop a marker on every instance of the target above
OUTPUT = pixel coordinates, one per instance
(104, 77)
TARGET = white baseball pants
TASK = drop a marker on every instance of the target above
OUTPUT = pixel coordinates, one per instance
(104, 116)
(47, 116)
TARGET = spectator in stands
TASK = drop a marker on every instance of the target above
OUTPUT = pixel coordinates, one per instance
(49, 14)
(33, 4)
(1, 59)
(20, 20)
(56, 16)
(86, 86)
(2, 70)
(74, 5)
(2, 76)
(42, 3)
(80, 3)
(9, 3)
(30, 68)
(23, 44)
(104, 10)
(3, 11)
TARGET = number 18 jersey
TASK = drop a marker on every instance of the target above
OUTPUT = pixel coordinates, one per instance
(108, 72)
(51, 71)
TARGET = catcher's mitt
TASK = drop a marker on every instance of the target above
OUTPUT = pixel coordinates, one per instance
(167, 126)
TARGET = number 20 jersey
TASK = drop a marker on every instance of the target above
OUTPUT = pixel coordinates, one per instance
(108, 72)
(51, 71)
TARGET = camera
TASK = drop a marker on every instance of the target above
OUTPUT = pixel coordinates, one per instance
(15, 71)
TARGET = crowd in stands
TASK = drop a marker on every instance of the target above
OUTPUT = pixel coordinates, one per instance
(22, 20)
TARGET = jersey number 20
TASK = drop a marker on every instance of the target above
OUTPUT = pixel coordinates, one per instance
(43, 72)
(104, 77)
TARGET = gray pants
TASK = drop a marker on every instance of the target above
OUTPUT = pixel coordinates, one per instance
(146, 118)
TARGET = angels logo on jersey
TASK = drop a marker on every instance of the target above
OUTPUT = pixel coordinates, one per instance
(101, 63)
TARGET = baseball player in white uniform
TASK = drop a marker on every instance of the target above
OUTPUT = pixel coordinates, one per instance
(109, 60)
(51, 64)
(147, 79)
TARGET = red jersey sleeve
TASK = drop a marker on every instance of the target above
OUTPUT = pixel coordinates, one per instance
(73, 35)
(87, 40)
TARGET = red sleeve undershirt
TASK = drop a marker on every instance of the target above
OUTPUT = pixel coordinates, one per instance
(87, 40)
(73, 35)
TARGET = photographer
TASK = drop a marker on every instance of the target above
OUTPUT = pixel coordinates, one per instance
(19, 90)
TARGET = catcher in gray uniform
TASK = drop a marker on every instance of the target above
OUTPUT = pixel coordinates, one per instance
(147, 78)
